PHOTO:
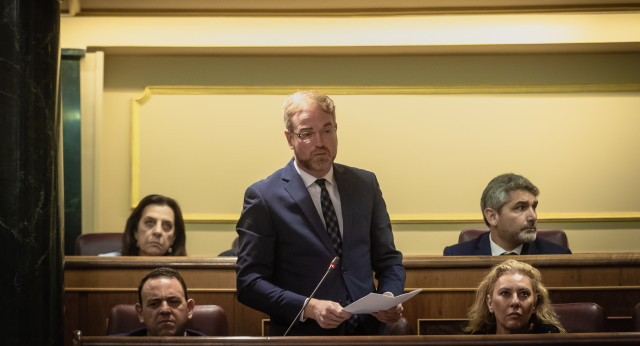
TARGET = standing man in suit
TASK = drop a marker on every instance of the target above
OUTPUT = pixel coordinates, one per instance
(302, 216)
(508, 205)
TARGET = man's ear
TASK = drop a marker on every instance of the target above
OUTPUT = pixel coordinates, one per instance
(289, 136)
(190, 305)
(492, 216)
(139, 312)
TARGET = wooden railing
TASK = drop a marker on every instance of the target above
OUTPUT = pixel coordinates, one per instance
(589, 339)
(94, 284)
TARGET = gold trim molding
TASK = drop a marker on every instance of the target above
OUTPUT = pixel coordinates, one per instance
(542, 217)
(383, 90)
(447, 218)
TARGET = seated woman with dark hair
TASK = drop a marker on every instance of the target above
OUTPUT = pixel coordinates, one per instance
(154, 228)
(511, 299)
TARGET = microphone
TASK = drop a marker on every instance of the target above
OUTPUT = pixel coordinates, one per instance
(331, 266)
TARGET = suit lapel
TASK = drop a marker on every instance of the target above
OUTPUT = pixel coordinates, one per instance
(483, 246)
(294, 185)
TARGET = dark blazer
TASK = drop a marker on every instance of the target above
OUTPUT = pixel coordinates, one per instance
(285, 249)
(143, 332)
(481, 246)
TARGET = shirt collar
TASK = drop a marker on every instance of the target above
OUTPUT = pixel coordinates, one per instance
(309, 179)
(496, 250)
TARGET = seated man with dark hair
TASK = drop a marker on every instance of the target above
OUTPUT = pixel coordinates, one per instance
(163, 305)
(508, 206)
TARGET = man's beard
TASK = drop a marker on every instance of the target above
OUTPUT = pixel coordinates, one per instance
(526, 236)
(317, 164)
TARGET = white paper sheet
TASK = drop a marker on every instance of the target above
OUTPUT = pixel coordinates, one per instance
(374, 302)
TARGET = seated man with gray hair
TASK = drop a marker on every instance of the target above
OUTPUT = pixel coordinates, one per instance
(508, 205)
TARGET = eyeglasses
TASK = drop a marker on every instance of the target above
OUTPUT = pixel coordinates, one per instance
(306, 136)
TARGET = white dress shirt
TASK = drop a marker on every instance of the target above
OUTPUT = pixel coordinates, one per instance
(314, 190)
(496, 250)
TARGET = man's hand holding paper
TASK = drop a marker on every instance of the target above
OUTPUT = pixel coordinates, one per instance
(390, 315)
(385, 307)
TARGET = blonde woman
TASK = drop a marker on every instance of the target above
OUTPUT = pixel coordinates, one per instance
(512, 299)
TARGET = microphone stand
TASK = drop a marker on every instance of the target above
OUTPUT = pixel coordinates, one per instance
(331, 266)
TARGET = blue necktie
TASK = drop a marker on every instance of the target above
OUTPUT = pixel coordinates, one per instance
(330, 218)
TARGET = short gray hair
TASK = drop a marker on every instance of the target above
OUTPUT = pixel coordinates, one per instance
(294, 103)
(496, 194)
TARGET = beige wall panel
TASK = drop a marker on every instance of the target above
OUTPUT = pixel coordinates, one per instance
(208, 240)
(378, 31)
(205, 150)
(416, 133)
(115, 162)
(433, 154)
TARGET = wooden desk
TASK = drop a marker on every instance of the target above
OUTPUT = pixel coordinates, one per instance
(94, 284)
(592, 339)
(611, 280)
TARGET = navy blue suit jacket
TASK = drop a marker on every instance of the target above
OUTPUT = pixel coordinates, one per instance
(481, 246)
(285, 249)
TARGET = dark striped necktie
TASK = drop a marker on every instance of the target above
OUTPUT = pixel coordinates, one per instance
(330, 218)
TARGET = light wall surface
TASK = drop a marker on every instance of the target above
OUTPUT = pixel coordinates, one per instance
(434, 127)
(361, 31)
